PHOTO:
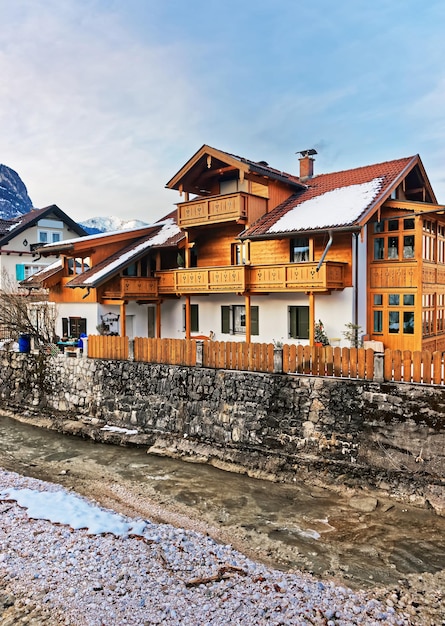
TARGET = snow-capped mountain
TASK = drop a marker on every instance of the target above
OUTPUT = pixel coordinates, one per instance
(105, 224)
(14, 199)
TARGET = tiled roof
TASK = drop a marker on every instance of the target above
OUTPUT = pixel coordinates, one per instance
(333, 200)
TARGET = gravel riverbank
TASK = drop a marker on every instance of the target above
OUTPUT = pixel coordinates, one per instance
(52, 574)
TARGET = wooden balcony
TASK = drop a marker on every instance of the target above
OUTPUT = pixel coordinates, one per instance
(255, 279)
(203, 280)
(296, 277)
(131, 288)
(235, 207)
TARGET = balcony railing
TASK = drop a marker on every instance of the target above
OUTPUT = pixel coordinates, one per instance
(296, 277)
(255, 279)
(236, 207)
(203, 280)
(131, 287)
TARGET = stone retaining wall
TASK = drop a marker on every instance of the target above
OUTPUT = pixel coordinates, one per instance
(266, 424)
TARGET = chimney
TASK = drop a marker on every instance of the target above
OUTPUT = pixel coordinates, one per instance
(306, 164)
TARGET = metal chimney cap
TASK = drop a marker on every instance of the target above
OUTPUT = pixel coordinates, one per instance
(305, 153)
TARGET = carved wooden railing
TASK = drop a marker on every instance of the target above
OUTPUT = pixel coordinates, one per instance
(131, 287)
(226, 208)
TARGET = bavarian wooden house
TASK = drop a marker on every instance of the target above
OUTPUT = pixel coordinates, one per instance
(256, 254)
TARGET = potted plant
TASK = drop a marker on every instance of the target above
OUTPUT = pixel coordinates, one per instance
(352, 334)
(320, 336)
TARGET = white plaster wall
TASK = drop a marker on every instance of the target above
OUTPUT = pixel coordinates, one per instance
(85, 309)
(334, 310)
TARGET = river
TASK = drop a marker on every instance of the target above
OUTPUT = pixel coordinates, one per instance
(288, 526)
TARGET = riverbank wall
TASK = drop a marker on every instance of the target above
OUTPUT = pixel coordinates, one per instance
(267, 425)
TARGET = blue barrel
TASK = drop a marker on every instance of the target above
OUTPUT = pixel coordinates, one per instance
(24, 343)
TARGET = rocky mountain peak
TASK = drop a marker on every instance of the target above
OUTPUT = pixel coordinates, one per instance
(14, 199)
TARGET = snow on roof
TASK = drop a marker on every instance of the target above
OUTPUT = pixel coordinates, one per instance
(67, 508)
(337, 207)
(169, 229)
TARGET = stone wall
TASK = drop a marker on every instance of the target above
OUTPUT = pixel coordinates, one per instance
(265, 424)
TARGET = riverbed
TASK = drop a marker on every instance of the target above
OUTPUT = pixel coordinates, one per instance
(362, 539)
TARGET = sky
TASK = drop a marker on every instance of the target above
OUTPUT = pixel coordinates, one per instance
(102, 102)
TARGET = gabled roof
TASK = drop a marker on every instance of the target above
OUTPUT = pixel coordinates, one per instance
(208, 158)
(163, 234)
(46, 277)
(12, 228)
(338, 200)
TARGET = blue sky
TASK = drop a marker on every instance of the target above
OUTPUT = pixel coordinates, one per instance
(101, 102)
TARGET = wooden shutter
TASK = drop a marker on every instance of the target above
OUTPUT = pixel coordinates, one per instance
(20, 271)
(194, 310)
(254, 320)
(65, 326)
(225, 319)
(292, 322)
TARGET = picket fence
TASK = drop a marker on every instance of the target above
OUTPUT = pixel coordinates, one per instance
(357, 363)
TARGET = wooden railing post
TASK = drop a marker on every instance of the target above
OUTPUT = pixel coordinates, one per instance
(379, 360)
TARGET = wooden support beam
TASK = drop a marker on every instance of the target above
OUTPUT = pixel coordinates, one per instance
(188, 317)
(248, 318)
(123, 320)
(311, 318)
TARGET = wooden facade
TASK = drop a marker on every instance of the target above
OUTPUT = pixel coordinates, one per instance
(386, 258)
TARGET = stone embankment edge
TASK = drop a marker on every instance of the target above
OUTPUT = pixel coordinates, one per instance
(276, 427)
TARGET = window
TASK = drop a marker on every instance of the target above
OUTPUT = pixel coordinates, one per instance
(233, 320)
(408, 246)
(393, 247)
(299, 322)
(379, 248)
(393, 299)
(378, 299)
(408, 322)
(240, 253)
(55, 237)
(299, 250)
(74, 326)
(378, 321)
(43, 236)
(194, 318)
(394, 322)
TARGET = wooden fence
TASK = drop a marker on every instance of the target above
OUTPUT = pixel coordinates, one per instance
(329, 361)
(358, 363)
(108, 347)
(169, 351)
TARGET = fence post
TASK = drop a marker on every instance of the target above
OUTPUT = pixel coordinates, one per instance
(199, 352)
(379, 358)
(278, 360)
(131, 349)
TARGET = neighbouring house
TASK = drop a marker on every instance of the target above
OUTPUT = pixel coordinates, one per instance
(21, 236)
(256, 254)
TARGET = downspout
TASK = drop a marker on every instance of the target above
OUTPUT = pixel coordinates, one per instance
(355, 295)
(325, 251)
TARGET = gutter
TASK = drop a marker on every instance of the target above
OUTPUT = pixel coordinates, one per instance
(325, 251)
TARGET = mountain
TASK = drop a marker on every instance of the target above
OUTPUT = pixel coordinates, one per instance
(105, 224)
(14, 199)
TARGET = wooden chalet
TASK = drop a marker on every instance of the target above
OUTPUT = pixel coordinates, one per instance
(256, 254)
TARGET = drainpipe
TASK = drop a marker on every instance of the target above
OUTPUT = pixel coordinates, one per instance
(325, 251)
(355, 295)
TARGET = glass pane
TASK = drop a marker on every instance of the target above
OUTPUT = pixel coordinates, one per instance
(408, 246)
(393, 299)
(408, 322)
(393, 247)
(393, 225)
(300, 250)
(378, 227)
(378, 321)
(378, 248)
(408, 224)
(408, 299)
(394, 323)
(378, 299)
